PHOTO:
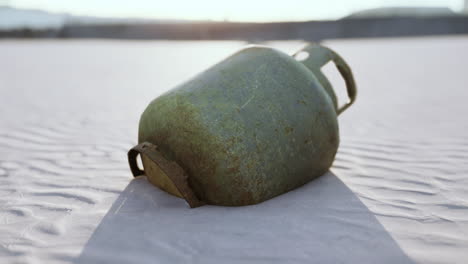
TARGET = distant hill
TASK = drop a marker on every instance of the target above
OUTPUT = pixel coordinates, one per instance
(382, 22)
(15, 18)
(383, 12)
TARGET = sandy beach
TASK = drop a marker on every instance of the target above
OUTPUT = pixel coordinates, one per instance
(69, 110)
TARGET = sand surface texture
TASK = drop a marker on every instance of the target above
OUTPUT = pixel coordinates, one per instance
(69, 110)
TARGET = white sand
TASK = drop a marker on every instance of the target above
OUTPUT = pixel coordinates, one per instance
(397, 192)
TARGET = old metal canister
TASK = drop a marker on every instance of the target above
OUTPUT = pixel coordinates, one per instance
(258, 124)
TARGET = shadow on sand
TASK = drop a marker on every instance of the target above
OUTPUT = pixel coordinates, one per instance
(321, 222)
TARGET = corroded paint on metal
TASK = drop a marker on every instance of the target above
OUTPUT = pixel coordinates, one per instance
(158, 177)
(317, 57)
(163, 173)
(254, 126)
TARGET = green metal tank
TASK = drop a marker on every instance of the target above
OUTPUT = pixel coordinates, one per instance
(256, 125)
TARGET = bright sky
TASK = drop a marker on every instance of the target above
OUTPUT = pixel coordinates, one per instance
(234, 10)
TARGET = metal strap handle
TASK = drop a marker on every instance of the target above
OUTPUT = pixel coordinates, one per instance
(318, 56)
(173, 171)
(132, 161)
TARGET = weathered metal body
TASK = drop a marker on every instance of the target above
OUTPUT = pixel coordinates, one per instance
(254, 126)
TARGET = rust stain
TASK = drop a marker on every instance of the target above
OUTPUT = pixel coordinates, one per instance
(288, 130)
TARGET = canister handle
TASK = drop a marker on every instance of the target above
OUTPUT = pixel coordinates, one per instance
(132, 161)
(318, 56)
(173, 171)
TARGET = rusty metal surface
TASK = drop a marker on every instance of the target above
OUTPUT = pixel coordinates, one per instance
(252, 127)
(170, 168)
(317, 57)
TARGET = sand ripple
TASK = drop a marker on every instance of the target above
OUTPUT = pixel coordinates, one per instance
(64, 136)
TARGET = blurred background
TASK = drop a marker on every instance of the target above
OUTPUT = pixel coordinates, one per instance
(218, 20)
(75, 76)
